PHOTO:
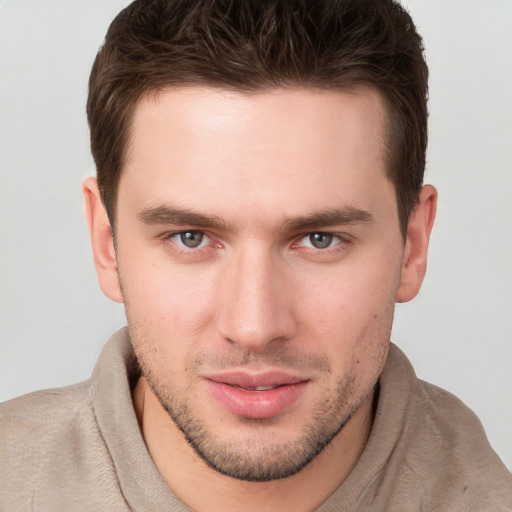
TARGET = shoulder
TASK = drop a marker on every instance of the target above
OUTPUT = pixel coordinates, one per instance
(449, 454)
(42, 435)
(38, 401)
(428, 450)
(452, 426)
(54, 450)
(43, 415)
(46, 413)
(49, 410)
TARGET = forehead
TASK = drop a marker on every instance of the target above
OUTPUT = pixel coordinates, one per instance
(308, 113)
(280, 148)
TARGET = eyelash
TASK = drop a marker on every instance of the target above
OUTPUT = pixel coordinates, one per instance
(343, 241)
(183, 248)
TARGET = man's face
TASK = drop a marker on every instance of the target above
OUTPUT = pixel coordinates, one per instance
(259, 255)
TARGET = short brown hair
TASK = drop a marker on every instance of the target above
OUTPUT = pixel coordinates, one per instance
(255, 45)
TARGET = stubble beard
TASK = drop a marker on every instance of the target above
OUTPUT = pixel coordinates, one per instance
(252, 459)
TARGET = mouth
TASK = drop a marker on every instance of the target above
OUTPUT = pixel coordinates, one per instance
(258, 388)
(256, 396)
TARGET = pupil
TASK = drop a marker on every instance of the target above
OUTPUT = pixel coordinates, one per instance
(191, 239)
(320, 240)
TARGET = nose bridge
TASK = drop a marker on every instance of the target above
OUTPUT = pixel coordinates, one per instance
(255, 307)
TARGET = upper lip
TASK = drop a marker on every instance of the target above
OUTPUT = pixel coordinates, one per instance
(247, 380)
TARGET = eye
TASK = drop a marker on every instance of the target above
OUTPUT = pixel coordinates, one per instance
(320, 240)
(190, 239)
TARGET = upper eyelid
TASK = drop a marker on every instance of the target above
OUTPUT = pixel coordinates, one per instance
(170, 234)
(295, 237)
(182, 248)
(341, 235)
(344, 237)
(328, 233)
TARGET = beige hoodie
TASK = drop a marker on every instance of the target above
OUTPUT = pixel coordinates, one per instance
(79, 448)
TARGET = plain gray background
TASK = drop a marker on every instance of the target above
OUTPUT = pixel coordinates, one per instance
(54, 319)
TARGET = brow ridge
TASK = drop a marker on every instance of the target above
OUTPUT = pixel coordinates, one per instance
(330, 217)
(162, 215)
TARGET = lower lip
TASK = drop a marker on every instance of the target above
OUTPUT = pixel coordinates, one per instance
(256, 404)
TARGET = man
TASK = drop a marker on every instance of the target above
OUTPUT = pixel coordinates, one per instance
(259, 209)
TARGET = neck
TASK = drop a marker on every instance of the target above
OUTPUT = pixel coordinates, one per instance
(182, 469)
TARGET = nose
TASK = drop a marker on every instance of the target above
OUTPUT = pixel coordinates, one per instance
(256, 303)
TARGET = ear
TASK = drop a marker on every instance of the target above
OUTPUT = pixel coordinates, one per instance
(102, 240)
(414, 264)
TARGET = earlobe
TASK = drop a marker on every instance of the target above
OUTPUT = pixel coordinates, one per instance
(414, 264)
(102, 240)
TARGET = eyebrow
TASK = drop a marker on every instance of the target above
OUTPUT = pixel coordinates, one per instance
(331, 217)
(163, 215)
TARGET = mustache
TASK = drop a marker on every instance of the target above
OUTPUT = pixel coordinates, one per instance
(280, 356)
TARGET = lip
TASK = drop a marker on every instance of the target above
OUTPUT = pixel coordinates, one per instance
(238, 392)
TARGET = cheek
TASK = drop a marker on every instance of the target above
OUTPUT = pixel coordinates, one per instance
(172, 301)
(350, 317)
(350, 297)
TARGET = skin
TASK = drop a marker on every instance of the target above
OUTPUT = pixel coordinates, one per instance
(258, 294)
